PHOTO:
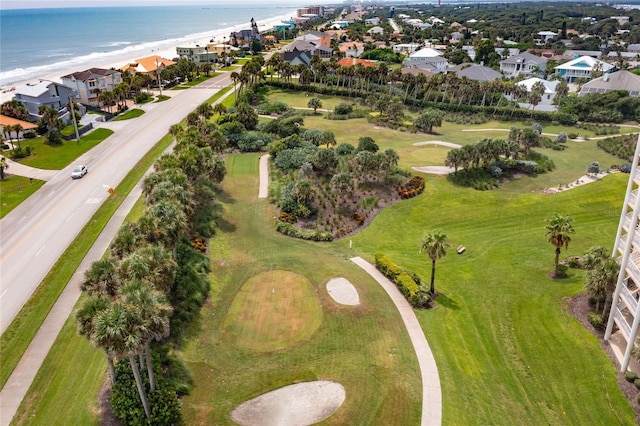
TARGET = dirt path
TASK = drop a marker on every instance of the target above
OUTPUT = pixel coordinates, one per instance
(439, 143)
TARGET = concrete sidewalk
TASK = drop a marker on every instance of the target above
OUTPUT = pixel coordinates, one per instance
(431, 392)
(30, 172)
(263, 189)
(25, 372)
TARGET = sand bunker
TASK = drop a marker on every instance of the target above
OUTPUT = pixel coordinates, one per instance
(435, 170)
(343, 292)
(441, 143)
(295, 405)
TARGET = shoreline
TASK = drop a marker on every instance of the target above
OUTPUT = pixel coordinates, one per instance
(118, 59)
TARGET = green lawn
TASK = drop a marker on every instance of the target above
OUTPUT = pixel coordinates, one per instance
(132, 113)
(14, 190)
(59, 156)
(365, 348)
(506, 349)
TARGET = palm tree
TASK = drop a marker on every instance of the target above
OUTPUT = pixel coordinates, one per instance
(435, 245)
(314, 103)
(557, 233)
(219, 109)
(3, 166)
(85, 319)
(101, 279)
(117, 331)
(153, 310)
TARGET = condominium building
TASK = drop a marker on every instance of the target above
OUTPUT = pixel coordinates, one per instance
(310, 10)
(625, 309)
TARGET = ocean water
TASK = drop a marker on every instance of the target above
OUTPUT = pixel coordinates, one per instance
(34, 42)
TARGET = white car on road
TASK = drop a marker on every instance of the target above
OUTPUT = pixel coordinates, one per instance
(79, 171)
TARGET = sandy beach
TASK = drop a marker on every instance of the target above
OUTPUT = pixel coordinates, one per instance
(119, 59)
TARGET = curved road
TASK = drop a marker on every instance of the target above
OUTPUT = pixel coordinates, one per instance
(36, 233)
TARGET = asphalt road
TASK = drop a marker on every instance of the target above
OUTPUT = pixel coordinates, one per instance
(35, 234)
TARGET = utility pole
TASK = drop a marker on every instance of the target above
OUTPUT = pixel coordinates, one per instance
(73, 116)
(158, 77)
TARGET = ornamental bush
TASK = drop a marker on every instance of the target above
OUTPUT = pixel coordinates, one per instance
(596, 320)
(630, 376)
(408, 282)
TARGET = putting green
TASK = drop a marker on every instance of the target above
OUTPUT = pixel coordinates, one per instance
(273, 310)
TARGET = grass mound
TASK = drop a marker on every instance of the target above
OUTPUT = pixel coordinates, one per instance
(273, 310)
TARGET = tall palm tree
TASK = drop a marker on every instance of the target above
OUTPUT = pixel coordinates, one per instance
(153, 310)
(101, 279)
(557, 233)
(85, 316)
(435, 245)
(117, 331)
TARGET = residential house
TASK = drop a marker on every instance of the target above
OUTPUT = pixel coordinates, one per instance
(416, 71)
(352, 49)
(436, 64)
(573, 54)
(341, 24)
(406, 47)
(372, 21)
(245, 37)
(198, 54)
(545, 36)
(475, 72)
(351, 62)
(523, 63)
(318, 38)
(10, 121)
(546, 102)
(89, 83)
(43, 93)
(375, 30)
(619, 80)
(581, 68)
(621, 19)
(311, 48)
(150, 66)
(297, 57)
(632, 59)
(633, 47)
(455, 37)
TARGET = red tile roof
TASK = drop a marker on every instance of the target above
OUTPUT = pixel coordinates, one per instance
(350, 62)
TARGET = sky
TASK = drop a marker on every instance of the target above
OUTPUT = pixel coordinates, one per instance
(30, 4)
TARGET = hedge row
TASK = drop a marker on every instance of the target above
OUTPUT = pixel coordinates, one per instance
(290, 230)
(408, 282)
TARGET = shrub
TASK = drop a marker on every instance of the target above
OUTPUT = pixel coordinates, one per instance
(593, 167)
(343, 109)
(126, 404)
(253, 141)
(625, 168)
(29, 135)
(292, 231)
(142, 98)
(412, 188)
(637, 383)
(408, 282)
(595, 319)
(345, 149)
(561, 138)
(630, 376)
(386, 266)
